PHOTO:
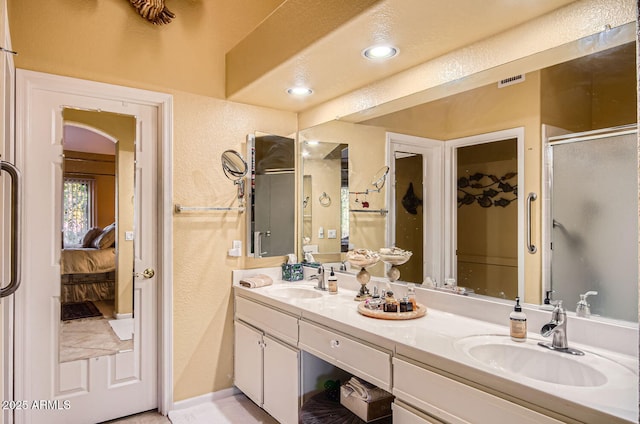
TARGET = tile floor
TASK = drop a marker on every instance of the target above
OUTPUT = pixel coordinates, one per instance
(234, 409)
(151, 417)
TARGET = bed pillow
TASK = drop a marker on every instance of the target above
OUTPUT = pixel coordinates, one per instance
(106, 238)
(90, 236)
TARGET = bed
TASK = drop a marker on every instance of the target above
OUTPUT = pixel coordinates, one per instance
(88, 271)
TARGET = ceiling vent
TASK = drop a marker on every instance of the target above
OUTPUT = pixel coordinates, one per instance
(511, 80)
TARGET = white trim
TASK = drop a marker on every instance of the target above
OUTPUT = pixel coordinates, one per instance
(92, 129)
(432, 152)
(123, 316)
(207, 397)
(26, 81)
(450, 196)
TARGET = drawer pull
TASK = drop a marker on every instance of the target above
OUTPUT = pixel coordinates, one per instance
(335, 344)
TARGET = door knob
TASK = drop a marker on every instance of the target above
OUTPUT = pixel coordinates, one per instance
(147, 273)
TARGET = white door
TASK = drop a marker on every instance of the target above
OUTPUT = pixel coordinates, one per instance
(104, 387)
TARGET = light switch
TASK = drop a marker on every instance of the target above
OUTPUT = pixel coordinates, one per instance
(128, 235)
(332, 234)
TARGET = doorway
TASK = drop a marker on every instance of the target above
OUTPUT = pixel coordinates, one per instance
(109, 386)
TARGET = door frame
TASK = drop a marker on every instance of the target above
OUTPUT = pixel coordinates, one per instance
(26, 82)
(432, 152)
(451, 219)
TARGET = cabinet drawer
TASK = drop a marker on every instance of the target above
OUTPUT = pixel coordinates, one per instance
(403, 414)
(271, 321)
(352, 356)
(455, 402)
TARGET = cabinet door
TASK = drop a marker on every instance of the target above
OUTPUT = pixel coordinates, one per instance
(248, 362)
(281, 381)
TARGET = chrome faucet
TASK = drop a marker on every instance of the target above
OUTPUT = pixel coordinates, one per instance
(558, 328)
(320, 277)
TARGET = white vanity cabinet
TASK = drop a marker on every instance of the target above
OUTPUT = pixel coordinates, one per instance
(356, 357)
(451, 401)
(266, 368)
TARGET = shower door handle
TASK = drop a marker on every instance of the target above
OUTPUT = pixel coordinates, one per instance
(16, 231)
(530, 247)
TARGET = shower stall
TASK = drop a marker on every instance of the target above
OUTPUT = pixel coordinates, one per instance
(591, 220)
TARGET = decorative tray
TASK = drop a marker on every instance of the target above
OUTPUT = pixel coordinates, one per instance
(362, 258)
(394, 255)
(375, 313)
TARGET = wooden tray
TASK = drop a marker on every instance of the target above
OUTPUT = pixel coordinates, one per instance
(420, 312)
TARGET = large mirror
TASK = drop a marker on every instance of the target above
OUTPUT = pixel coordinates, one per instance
(594, 91)
(97, 258)
(271, 208)
(325, 198)
(354, 212)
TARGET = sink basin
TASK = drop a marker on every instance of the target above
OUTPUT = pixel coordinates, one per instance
(295, 292)
(527, 359)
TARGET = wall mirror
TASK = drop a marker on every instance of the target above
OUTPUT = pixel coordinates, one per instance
(97, 258)
(325, 197)
(560, 95)
(380, 178)
(351, 191)
(235, 168)
(271, 204)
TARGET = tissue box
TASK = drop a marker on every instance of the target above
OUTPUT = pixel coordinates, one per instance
(292, 272)
(366, 411)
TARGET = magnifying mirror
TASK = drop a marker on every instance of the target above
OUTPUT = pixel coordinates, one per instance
(233, 164)
(235, 167)
(380, 177)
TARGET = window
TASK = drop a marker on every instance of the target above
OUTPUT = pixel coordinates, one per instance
(78, 209)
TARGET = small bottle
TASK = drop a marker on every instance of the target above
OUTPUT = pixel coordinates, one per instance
(405, 305)
(333, 283)
(411, 295)
(390, 304)
(518, 321)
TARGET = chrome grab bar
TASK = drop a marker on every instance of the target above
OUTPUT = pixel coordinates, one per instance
(16, 233)
(530, 247)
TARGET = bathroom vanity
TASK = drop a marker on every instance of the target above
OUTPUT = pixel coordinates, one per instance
(441, 368)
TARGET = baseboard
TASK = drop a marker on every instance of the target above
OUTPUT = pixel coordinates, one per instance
(123, 316)
(208, 397)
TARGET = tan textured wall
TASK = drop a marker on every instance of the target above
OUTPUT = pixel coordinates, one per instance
(203, 308)
(107, 41)
(325, 178)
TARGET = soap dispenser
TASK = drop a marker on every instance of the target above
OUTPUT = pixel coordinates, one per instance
(583, 308)
(546, 303)
(333, 283)
(518, 321)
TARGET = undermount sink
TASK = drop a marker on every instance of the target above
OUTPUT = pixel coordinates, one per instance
(527, 359)
(294, 292)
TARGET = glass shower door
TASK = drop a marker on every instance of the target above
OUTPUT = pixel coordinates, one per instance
(594, 234)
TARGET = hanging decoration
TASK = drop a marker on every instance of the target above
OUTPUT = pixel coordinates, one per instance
(484, 188)
(153, 10)
(410, 201)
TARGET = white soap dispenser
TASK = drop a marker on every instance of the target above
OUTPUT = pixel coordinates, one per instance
(518, 323)
(583, 308)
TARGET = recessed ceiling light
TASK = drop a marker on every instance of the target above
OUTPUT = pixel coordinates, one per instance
(300, 91)
(383, 51)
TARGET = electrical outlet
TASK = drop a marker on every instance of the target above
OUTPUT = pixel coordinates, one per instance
(332, 234)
